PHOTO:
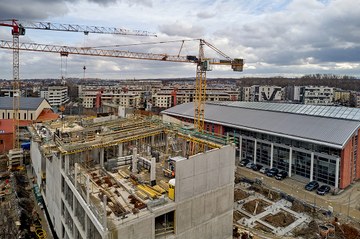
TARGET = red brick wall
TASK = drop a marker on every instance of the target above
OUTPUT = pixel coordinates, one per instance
(6, 142)
(358, 158)
(346, 164)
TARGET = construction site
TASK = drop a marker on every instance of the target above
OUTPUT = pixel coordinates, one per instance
(263, 212)
(133, 177)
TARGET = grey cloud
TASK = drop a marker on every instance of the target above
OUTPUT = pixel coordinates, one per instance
(182, 29)
(206, 15)
(37, 9)
(42, 9)
(147, 3)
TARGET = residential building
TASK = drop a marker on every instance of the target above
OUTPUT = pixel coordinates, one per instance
(262, 93)
(292, 93)
(342, 97)
(309, 142)
(55, 95)
(317, 95)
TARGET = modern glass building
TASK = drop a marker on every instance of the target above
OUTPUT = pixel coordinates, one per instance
(310, 142)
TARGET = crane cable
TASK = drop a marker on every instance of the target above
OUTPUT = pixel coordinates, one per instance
(143, 43)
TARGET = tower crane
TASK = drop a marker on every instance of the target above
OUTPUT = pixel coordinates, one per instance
(203, 64)
(18, 29)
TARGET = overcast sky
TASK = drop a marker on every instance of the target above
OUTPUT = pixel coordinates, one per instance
(275, 37)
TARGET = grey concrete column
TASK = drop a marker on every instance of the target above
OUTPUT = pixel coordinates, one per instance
(86, 226)
(134, 161)
(152, 140)
(184, 143)
(255, 145)
(337, 168)
(290, 161)
(312, 166)
(67, 161)
(76, 174)
(272, 155)
(166, 143)
(120, 150)
(102, 152)
(104, 212)
(88, 189)
(240, 148)
(153, 172)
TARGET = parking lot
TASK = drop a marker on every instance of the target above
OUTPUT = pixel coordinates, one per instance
(347, 203)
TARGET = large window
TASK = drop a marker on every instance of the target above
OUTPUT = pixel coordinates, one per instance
(324, 170)
(247, 149)
(281, 158)
(301, 163)
(263, 153)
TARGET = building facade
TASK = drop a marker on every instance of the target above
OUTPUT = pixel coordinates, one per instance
(310, 142)
(258, 93)
(55, 95)
(317, 95)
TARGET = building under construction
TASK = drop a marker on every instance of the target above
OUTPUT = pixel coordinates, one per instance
(133, 178)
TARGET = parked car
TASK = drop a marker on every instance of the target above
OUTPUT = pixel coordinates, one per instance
(323, 189)
(244, 162)
(272, 172)
(264, 170)
(256, 167)
(281, 175)
(250, 165)
(312, 185)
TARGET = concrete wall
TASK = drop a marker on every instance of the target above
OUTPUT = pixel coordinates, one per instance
(36, 159)
(53, 192)
(144, 228)
(204, 192)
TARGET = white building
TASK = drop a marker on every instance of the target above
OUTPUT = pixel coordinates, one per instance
(262, 93)
(317, 95)
(56, 95)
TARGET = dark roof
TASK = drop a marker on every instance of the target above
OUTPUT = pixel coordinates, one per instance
(26, 103)
(321, 130)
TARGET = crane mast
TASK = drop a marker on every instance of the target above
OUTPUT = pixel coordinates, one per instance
(200, 90)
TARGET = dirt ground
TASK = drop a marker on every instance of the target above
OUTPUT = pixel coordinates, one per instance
(239, 194)
(271, 195)
(238, 215)
(281, 219)
(300, 207)
(250, 206)
(263, 228)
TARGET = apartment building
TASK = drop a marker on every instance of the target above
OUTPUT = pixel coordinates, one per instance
(342, 97)
(55, 95)
(317, 95)
(262, 93)
(166, 99)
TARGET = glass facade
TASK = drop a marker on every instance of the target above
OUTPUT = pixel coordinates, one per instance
(263, 153)
(324, 157)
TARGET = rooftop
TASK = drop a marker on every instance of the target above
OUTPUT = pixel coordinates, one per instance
(326, 125)
(26, 103)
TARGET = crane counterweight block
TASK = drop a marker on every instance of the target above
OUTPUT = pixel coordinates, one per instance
(237, 64)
